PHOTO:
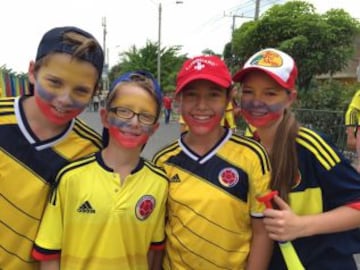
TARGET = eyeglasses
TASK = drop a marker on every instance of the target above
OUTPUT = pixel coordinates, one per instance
(125, 113)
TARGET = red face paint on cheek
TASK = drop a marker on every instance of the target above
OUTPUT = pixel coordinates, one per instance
(202, 127)
(54, 116)
(260, 121)
(127, 141)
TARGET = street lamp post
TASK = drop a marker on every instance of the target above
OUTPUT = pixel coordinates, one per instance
(159, 41)
(159, 47)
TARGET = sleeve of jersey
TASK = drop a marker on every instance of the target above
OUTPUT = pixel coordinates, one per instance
(158, 239)
(259, 185)
(351, 117)
(340, 184)
(48, 240)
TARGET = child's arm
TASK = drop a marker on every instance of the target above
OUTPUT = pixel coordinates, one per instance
(155, 259)
(50, 265)
(260, 248)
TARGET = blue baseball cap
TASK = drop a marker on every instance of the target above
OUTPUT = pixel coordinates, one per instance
(128, 76)
(55, 41)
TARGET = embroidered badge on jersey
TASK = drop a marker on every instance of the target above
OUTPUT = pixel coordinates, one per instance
(228, 177)
(144, 207)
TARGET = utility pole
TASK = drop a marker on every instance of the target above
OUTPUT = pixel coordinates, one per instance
(159, 41)
(257, 9)
(233, 20)
(159, 47)
(106, 63)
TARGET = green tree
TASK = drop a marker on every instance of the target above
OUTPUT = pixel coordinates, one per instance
(319, 44)
(146, 59)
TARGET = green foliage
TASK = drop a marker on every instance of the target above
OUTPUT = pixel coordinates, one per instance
(320, 44)
(328, 95)
(323, 108)
(146, 59)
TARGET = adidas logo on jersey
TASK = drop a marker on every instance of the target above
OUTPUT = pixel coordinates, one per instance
(175, 179)
(86, 208)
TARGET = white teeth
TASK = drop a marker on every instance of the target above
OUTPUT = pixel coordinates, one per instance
(199, 117)
(59, 110)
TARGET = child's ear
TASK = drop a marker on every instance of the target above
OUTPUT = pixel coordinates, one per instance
(31, 72)
(104, 117)
(293, 95)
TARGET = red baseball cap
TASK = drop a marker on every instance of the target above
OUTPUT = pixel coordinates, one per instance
(206, 67)
(278, 65)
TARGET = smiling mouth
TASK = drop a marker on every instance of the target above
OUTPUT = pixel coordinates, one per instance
(129, 134)
(59, 110)
(257, 114)
(201, 117)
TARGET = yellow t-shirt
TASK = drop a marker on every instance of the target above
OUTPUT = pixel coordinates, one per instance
(98, 223)
(352, 115)
(28, 167)
(212, 199)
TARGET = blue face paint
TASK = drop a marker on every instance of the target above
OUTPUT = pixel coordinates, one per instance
(44, 100)
(126, 124)
(122, 132)
(48, 97)
(259, 114)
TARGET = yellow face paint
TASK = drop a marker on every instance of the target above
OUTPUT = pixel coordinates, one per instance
(63, 76)
(135, 98)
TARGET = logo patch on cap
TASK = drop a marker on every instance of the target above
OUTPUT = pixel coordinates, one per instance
(267, 59)
(144, 207)
(228, 177)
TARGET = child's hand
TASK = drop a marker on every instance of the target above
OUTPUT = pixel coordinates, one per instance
(282, 224)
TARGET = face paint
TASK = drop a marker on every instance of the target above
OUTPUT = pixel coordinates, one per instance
(203, 127)
(265, 113)
(45, 100)
(122, 132)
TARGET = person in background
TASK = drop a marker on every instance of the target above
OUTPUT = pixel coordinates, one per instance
(108, 209)
(352, 121)
(213, 220)
(228, 119)
(96, 102)
(319, 191)
(40, 134)
(167, 103)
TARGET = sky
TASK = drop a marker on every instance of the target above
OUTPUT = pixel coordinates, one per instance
(193, 24)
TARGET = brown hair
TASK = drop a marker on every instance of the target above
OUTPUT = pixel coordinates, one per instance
(283, 156)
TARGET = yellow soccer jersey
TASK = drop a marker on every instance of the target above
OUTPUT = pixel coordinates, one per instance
(114, 224)
(27, 165)
(229, 118)
(352, 116)
(212, 199)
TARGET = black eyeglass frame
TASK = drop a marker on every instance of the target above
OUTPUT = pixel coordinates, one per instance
(131, 114)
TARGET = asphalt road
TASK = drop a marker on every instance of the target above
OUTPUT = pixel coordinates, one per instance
(163, 136)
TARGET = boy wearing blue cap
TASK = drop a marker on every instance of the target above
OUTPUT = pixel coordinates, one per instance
(108, 210)
(40, 134)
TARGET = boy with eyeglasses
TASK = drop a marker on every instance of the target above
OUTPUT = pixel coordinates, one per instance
(108, 210)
